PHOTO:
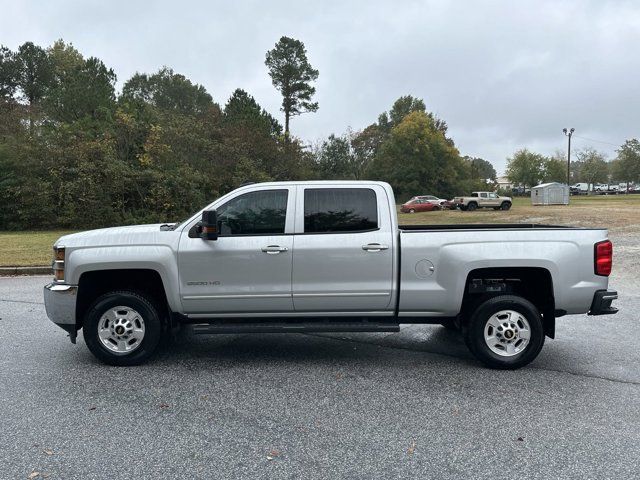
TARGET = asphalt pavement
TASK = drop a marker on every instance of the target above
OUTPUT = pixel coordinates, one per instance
(413, 404)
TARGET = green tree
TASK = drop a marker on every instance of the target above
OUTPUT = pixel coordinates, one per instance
(481, 169)
(627, 164)
(34, 75)
(167, 90)
(402, 107)
(592, 166)
(554, 169)
(8, 73)
(242, 108)
(251, 139)
(80, 89)
(292, 74)
(525, 168)
(335, 158)
(365, 145)
(418, 159)
(34, 72)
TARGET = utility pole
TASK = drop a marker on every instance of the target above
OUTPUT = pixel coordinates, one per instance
(568, 133)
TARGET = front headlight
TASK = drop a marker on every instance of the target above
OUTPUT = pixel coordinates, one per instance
(58, 264)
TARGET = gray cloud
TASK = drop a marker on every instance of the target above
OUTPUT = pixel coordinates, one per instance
(503, 74)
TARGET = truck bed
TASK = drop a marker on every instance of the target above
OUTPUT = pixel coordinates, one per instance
(436, 260)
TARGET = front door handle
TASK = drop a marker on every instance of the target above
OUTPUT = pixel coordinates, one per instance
(274, 249)
(374, 247)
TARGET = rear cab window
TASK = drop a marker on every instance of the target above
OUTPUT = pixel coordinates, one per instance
(340, 210)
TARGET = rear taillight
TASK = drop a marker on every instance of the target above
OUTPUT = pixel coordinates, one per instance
(603, 258)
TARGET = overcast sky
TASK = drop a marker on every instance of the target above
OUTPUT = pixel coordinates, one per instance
(503, 74)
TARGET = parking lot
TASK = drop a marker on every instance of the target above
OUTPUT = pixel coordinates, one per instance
(412, 404)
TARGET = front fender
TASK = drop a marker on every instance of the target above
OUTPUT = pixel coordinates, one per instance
(158, 258)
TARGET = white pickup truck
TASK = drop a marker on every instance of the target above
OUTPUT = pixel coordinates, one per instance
(320, 257)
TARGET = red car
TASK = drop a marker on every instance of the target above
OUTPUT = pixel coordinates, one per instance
(419, 205)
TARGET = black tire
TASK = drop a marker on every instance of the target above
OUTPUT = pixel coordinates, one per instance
(472, 206)
(474, 331)
(153, 328)
(411, 210)
(505, 205)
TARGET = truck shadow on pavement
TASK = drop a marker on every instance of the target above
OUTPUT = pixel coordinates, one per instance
(274, 347)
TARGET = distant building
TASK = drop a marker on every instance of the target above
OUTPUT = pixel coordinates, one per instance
(504, 183)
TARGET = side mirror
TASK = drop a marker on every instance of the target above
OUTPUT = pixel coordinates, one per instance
(209, 225)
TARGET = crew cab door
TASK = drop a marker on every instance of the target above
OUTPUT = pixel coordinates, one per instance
(248, 268)
(343, 249)
(493, 200)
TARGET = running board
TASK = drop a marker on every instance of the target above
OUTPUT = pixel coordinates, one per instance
(302, 327)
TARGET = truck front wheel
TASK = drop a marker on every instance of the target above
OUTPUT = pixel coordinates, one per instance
(122, 328)
(505, 332)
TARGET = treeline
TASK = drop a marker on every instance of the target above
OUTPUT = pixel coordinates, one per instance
(75, 153)
(588, 165)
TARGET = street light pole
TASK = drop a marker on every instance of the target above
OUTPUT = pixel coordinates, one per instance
(568, 133)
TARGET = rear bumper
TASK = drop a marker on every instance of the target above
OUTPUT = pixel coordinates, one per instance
(601, 304)
(60, 303)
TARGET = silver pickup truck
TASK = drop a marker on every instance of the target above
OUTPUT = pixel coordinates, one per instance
(324, 257)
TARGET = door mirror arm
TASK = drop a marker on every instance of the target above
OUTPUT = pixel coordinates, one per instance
(196, 230)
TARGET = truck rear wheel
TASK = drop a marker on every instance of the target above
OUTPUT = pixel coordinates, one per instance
(472, 206)
(505, 332)
(122, 328)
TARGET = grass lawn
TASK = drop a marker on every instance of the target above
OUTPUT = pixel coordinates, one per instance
(26, 249)
(615, 212)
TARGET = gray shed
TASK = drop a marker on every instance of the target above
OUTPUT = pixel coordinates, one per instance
(553, 193)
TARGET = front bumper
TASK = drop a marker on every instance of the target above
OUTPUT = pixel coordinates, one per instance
(60, 304)
(601, 304)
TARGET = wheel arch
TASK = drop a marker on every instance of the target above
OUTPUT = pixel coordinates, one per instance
(532, 283)
(94, 283)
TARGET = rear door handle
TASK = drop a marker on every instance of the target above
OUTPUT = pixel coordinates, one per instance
(374, 247)
(274, 249)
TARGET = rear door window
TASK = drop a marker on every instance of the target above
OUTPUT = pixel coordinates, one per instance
(340, 210)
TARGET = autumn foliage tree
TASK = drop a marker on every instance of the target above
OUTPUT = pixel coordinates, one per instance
(417, 158)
